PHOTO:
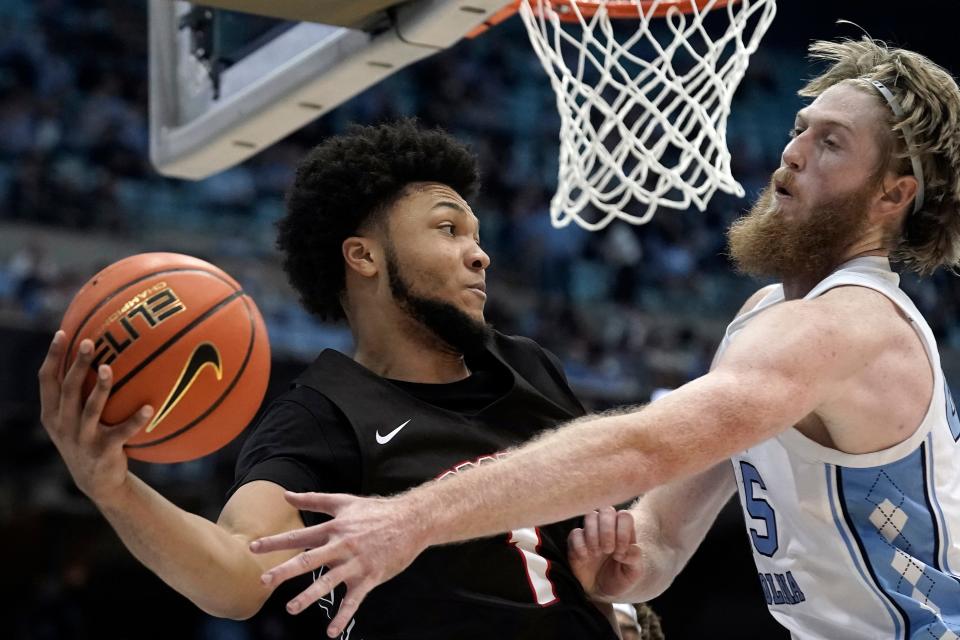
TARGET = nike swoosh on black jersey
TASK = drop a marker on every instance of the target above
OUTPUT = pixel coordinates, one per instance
(204, 355)
(387, 438)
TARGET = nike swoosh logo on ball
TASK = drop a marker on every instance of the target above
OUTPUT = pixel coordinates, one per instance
(387, 438)
(204, 355)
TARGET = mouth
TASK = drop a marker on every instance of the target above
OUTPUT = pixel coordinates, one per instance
(480, 288)
(782, 191)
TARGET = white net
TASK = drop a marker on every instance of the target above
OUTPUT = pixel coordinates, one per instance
(643, 101)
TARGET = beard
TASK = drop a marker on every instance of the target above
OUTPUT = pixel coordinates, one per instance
(450, 325)
(763, 243)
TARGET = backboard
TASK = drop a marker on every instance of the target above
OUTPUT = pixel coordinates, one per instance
(213, 105)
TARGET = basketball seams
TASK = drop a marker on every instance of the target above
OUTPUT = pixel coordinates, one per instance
(173, 339)
(113, 294)
(213, 407)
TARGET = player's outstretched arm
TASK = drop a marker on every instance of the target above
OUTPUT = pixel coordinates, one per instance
(208, 563)
(634, 555)
(780, 368)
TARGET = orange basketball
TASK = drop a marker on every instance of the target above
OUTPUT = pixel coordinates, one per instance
(181, 336)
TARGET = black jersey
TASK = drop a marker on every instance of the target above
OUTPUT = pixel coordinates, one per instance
(516, 585)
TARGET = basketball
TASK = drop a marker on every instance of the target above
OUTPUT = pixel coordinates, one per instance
(180, 335)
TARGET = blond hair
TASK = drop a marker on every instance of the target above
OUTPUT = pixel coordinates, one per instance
(930, 100)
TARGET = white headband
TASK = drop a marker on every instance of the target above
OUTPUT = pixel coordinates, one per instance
(908, 136)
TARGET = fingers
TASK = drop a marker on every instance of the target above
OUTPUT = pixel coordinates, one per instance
(351, 602)
(626, 533)
(301, 563)
(604, 532)
(129, 427)
(328, 503)
(297, 539)
(93, 407)
(576, 544)
(632, 555)
(323, 585)
(607, 529)
(73, 381)
(591, 536)
(49, 380)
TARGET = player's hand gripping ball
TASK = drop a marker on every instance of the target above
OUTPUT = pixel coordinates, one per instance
(180, 335)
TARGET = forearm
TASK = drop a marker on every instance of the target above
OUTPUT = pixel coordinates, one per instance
(542, 482)
(661, 564)
(207, 564)
(587, 465)
(671, 522)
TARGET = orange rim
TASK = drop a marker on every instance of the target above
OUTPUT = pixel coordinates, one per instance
(495, 19)
(627, 9)
(623, 9)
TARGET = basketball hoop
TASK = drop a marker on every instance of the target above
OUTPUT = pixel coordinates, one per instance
(644, 91)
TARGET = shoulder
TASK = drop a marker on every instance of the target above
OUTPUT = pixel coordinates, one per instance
(299, 434)
(520, 350)
(863, 317)
(539, 367)
(850, 311)
(854, 299)
(517, 343)
(841, 328)
(848, 307)
(300, 405)
(515, 347)
(755, 299)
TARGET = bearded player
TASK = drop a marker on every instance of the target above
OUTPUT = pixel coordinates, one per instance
(826, 407)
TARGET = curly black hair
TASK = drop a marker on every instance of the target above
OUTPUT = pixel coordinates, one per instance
(347, 182)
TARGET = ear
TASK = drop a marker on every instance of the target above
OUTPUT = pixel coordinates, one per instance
(361, 255)
(896, 197)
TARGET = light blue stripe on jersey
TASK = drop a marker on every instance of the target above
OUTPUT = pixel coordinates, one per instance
(842, 529)
(944, 541)
(894, 525)
(953, 421)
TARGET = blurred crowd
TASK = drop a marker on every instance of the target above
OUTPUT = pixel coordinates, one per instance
(629, 310)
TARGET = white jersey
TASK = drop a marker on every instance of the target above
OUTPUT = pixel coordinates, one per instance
(858, 546)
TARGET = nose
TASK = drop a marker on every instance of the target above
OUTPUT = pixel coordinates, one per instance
(792, 155)
(476, 258)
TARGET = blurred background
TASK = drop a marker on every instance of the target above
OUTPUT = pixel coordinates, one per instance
(628, 310)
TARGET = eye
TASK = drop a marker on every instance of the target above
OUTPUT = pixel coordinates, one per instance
(448, 228)
(830, 143)
(795, 131)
